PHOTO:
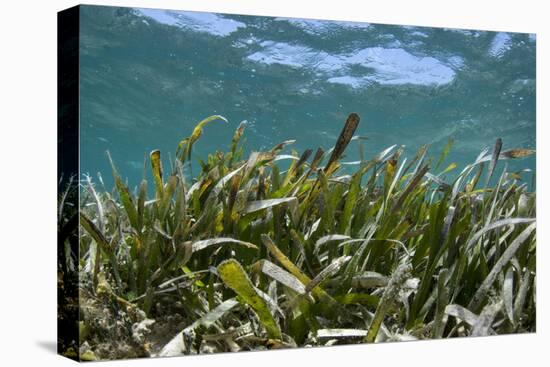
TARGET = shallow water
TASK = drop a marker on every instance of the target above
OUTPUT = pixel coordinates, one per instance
(148, 76)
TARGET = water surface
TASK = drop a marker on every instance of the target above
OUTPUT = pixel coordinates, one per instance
(148, 76)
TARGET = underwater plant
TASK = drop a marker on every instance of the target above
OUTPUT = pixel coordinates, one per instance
(67, 269)
(247, 257)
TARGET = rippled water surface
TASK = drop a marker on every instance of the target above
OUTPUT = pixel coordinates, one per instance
(148, 76)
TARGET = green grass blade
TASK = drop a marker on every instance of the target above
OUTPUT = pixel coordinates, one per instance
(508, 294)
(442, 299)
(202, 244)
(389, 296)
(522, 295)
(483, 289)
(141, 204)
(177, 345)
(234, 276)
(494, 159)
(350, 203)
(102, 242)
(254, 206)
(495, 225)
(156, 167)
(125, 196)
(280, 275)
(343, 140)
(317, 291)
(444, 153)
(483, 323)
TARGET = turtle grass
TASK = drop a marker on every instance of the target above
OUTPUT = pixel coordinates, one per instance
(247, 256)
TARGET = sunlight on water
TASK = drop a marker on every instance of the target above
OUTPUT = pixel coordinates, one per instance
(149, 75)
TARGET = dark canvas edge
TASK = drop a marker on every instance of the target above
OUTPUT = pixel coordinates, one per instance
(68, 29)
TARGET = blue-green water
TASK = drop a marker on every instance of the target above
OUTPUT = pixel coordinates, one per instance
(148, 76)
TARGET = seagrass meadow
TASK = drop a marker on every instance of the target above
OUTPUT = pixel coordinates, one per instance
(287, 249)
(231, 183)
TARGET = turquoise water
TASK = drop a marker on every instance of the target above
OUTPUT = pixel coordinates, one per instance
(148, 76)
